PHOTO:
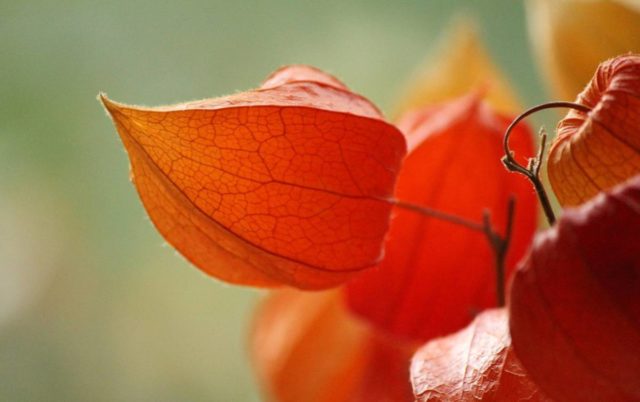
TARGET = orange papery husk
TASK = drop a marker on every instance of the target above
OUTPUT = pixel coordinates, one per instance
(436, 275)
(308, 347)
(596, 150)
(286, 184)
(476, 363)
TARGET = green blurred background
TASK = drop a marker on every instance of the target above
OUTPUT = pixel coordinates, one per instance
(93, 304)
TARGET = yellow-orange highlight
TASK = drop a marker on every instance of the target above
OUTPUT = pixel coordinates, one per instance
(462, 64)
(571, 37)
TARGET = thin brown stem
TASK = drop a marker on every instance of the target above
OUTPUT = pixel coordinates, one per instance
(443, 216)
(499, 245)
(532, 171)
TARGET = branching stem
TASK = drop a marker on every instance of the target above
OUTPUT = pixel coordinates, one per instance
(532, 171)
(499, 244)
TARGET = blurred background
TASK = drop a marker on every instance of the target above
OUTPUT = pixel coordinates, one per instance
(93, 304)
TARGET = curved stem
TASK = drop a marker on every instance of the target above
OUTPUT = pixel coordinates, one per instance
(532, 171)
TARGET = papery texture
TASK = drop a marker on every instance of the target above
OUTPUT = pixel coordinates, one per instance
(437, 275)
(595, 151)
(288, 184)
(474, 364)
(575, 302)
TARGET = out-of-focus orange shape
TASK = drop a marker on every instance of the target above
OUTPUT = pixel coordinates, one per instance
(597, 150)
(461, 64)
(474, 364)
(306, 347)
(437, 275)
(287, 184)
(571, 37)
(575, 302)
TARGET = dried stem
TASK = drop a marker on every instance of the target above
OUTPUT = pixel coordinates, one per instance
(499, 245)
(532, 171)
(443, 216)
